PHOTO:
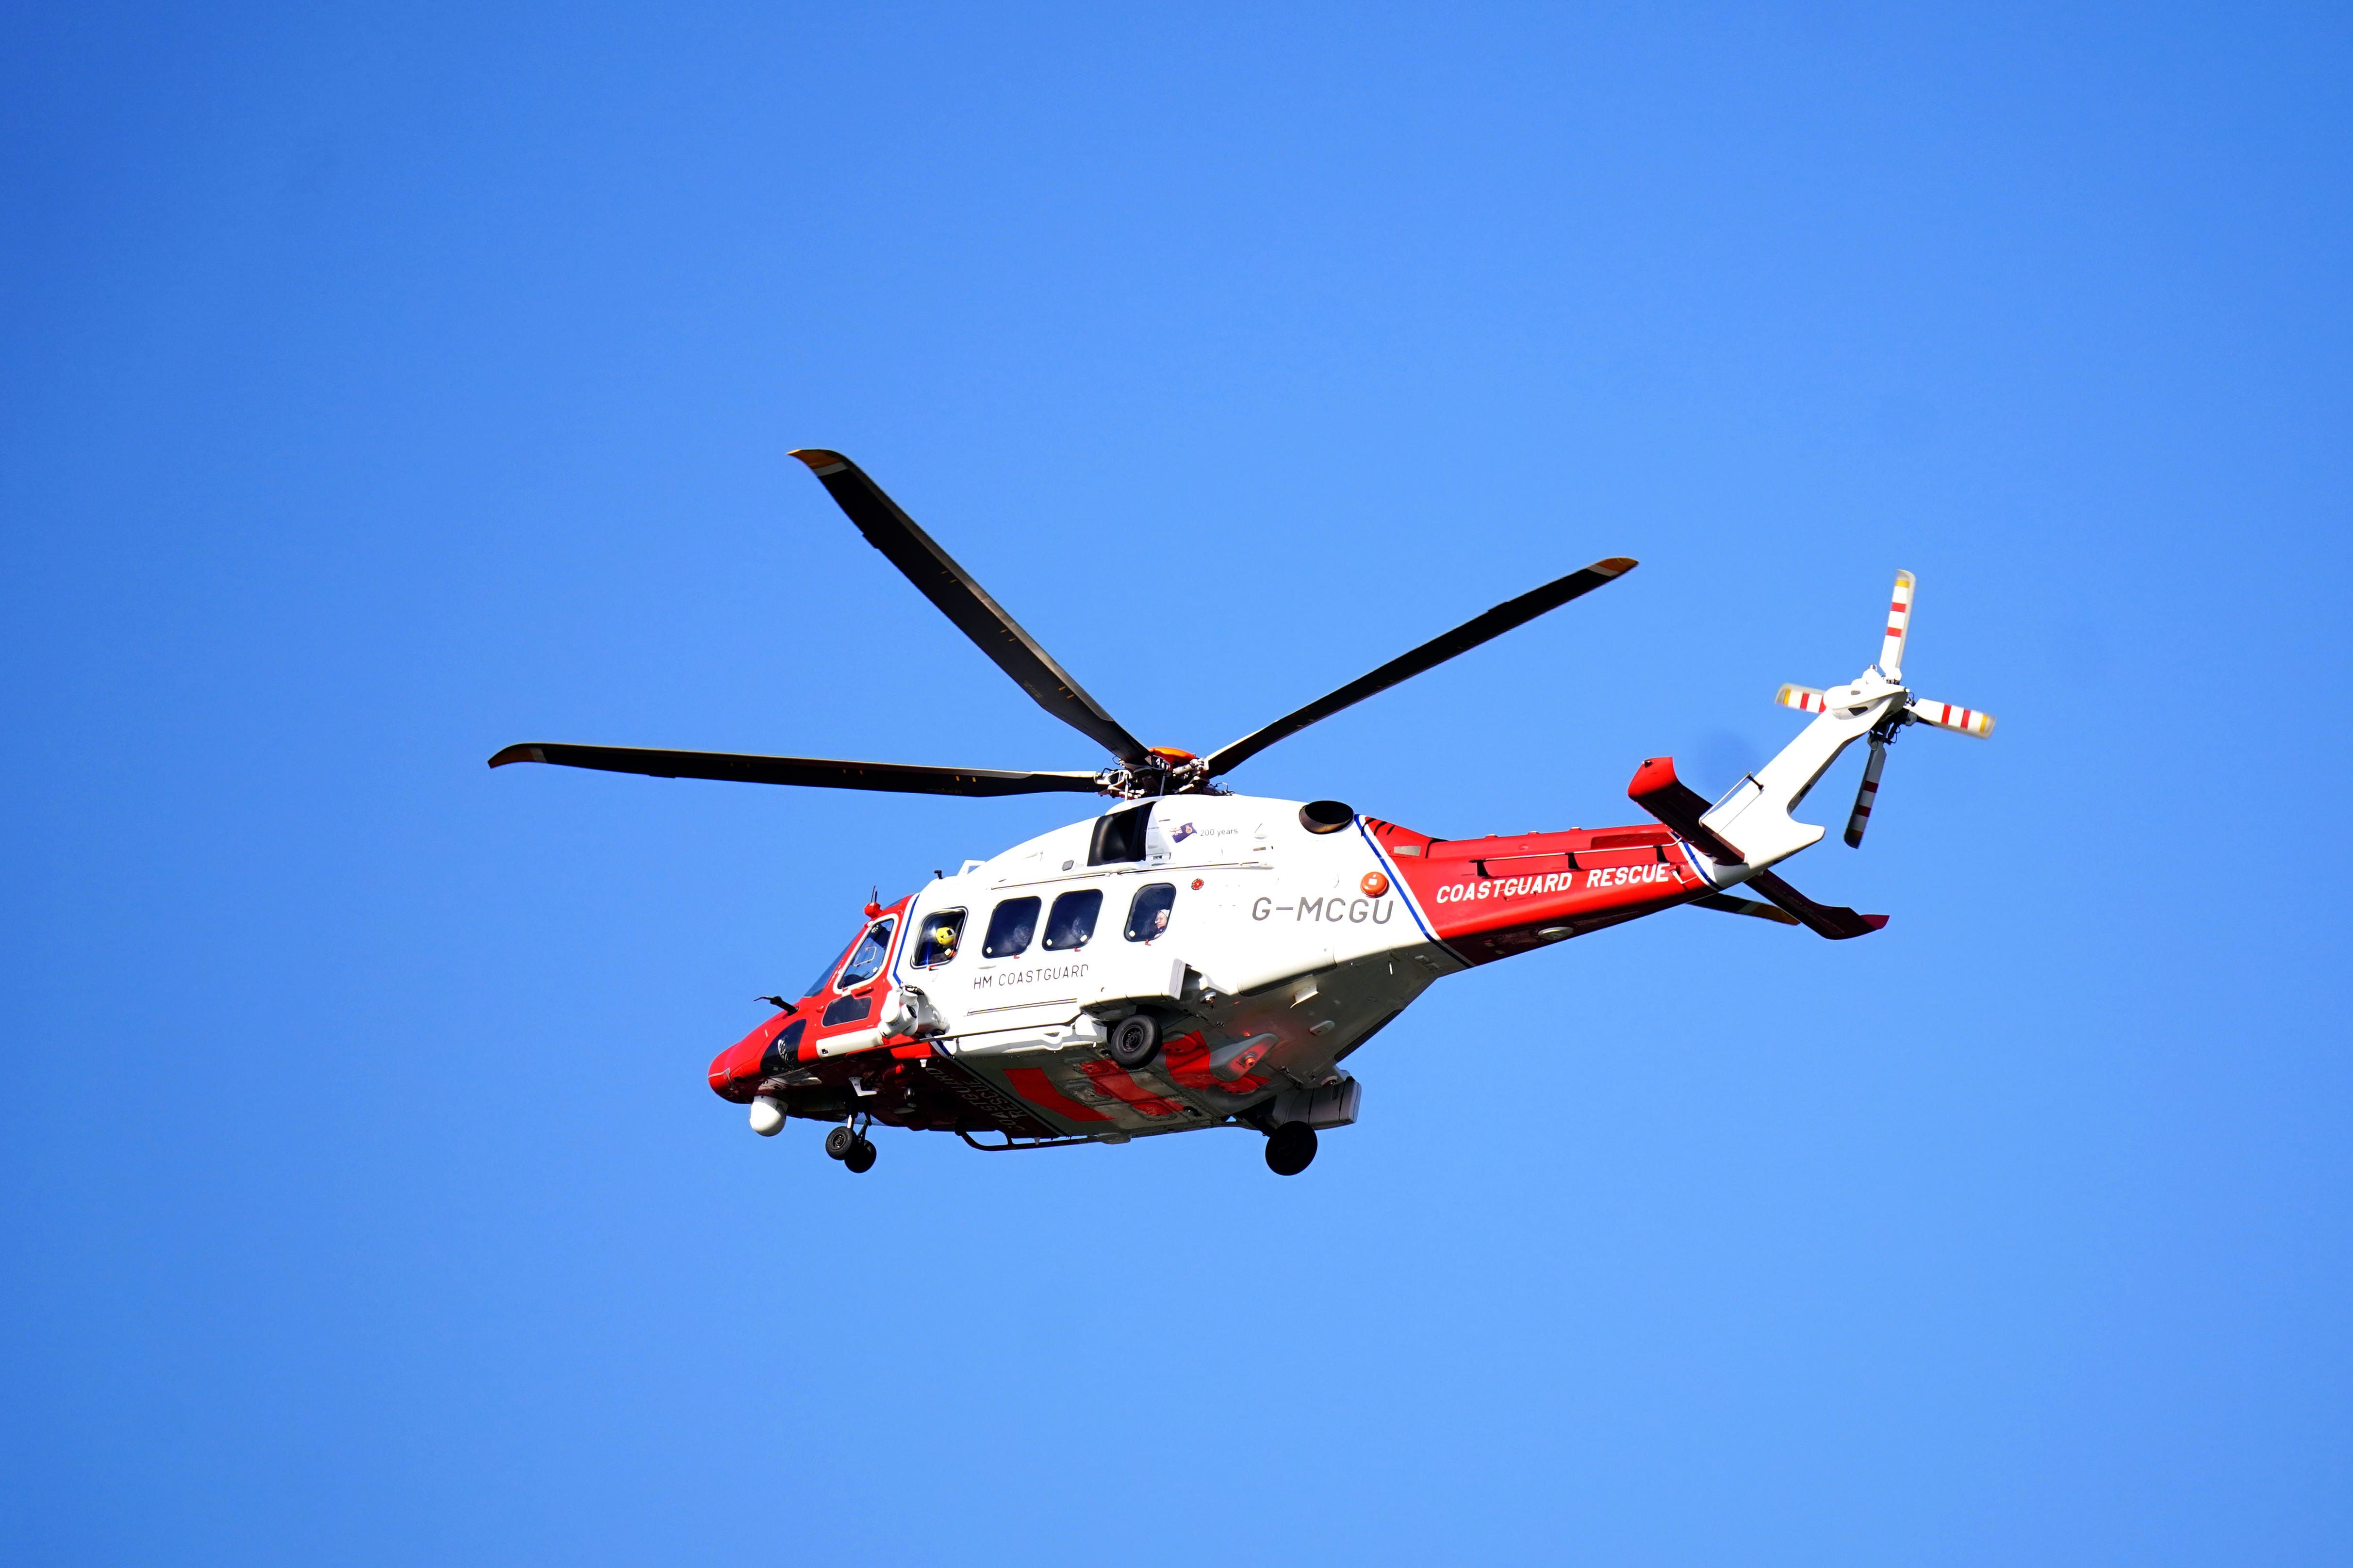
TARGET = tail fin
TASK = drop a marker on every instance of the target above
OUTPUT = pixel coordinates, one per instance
(1657, 790)
(1751, 829)
(1755, 814)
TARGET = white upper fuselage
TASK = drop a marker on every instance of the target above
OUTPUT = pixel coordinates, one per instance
(1273, 929)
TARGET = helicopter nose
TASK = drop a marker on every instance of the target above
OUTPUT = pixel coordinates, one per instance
(735, 1069)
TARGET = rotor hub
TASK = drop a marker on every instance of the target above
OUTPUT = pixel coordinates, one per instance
(1171, 772)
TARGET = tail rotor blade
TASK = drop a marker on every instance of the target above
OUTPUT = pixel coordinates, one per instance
(1865, 796)
(1804, 699)
(1899, 624)
(1944, 716)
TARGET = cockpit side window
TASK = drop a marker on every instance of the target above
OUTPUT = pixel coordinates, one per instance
(1119, 836)
(867, 961)
(937, 937)
(825, 975)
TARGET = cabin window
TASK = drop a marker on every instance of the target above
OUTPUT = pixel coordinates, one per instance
(1074, 919)
(1120, 835)
(1010, 926)
(848, 1009)
(867, 961)
(1147, 916)
(936, 939)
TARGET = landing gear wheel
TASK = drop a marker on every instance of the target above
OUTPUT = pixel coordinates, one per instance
(1135, 1040)
(860, 1157)
(1290, 1148)
(839, 1142)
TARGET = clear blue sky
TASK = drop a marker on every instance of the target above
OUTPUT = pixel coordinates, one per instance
(380, 385)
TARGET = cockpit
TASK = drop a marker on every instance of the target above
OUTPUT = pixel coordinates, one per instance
(861, 962)
(866, 957)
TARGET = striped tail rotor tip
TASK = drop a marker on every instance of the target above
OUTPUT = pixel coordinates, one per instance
(1899, 625)
(1946, 716)
(1804, 699)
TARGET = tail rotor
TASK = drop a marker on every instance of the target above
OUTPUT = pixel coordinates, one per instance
(1913, 710)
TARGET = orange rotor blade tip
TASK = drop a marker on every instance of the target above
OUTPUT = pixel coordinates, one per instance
(1616, 566)
(818, 459)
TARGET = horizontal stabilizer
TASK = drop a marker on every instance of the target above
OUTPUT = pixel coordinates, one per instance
(1833, 920)
(1732, 906)
(1657, 791)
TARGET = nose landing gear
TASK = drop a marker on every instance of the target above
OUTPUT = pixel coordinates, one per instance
(848, 1144)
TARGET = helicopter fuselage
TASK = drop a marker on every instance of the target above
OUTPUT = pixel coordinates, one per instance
(1265, 939)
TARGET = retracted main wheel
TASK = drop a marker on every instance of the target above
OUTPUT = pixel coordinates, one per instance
(839, 1142)
(860, 1157)
(1290, 1148)
(1135, 1040)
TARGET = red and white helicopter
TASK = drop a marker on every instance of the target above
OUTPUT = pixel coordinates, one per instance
(1194, 958)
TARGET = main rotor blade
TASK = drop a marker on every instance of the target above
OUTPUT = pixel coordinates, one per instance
(948, 585)
(823, 772)
(1437, 651)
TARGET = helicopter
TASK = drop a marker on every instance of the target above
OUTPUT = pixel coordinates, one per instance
(1190, 957)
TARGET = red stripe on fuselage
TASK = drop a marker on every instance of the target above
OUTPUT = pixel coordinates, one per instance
(1107, 1075)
